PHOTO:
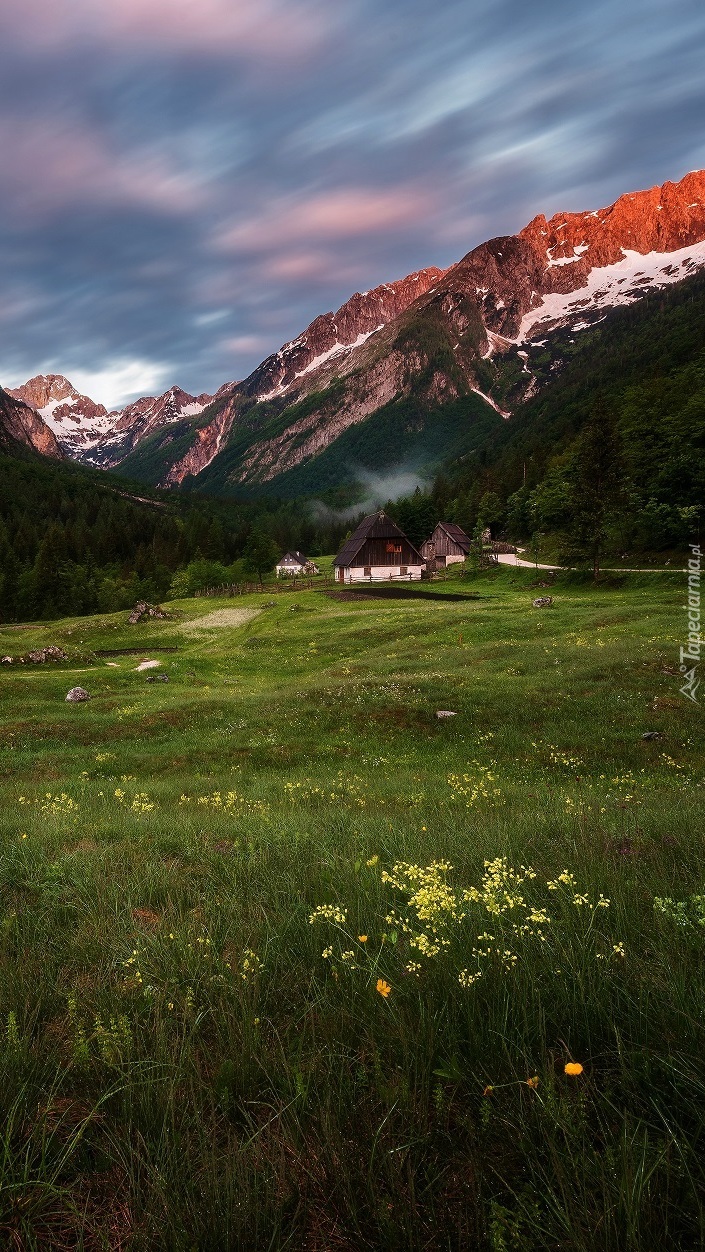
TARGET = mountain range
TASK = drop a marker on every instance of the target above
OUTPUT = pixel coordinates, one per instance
(404, 374)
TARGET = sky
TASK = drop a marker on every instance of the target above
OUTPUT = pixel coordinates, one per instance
(185, 185)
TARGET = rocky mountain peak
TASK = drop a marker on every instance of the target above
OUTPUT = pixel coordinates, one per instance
(53, 392)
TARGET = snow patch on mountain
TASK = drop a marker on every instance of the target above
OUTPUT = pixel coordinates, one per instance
(336, 350)
(610, 286)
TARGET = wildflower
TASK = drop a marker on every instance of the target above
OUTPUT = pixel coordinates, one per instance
(533, 1082)
(573, 1068)
(328, 913)
(373, 860)
(618, 949)
(383, 988)
(488, 1091)
(362, 938)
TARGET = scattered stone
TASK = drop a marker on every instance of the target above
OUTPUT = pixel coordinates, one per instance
(147, 665)
(6, 660)
(157, 678)
(52, 653)
(76, 695)
(445, 713)
(143, 609)
(542, 602)
(652, 734)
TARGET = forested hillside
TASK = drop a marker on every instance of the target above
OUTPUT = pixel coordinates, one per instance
(75, 541)
(627, 396)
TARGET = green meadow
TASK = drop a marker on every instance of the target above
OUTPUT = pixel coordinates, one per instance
(289, 962)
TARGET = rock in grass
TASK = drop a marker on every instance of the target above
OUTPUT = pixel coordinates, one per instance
(652, 734)
(445, 713)
(158, 678)
(542, 602)
(77, 695)
(52, 653)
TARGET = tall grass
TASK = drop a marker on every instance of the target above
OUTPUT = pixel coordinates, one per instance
(183, 1067)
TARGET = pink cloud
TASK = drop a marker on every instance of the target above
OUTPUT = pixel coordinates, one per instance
(246, 343)
(264, 28)
(332, 215)
(297, 266)
(49, 165)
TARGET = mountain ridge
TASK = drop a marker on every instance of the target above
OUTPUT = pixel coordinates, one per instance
(428, 340)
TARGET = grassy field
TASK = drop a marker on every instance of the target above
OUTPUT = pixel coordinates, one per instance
(289, 962)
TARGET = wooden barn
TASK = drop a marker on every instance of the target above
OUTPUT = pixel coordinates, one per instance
(378, 550)
(292, 564)
(447, 545)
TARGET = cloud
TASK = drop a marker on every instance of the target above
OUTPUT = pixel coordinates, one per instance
(336, 214)
(50, 164)
(269, 29)
(245, 344)
(118, 382)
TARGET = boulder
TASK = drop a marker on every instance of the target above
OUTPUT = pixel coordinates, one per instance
(6, 660)
(77, 695)
(158, 678)
(52, 653)
(543, 602)
(143, 609)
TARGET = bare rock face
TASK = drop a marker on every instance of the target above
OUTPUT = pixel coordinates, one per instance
(20, 423)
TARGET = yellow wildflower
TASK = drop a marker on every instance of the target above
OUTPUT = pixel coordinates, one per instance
(573, 1068)
(533, 1082)
(383, 988)
(362, 938)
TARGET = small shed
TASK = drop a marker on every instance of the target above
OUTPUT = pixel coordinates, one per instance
(377, 551)
(448, 544)
(294, 563)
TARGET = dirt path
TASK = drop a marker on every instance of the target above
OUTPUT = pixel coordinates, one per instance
(219, 619)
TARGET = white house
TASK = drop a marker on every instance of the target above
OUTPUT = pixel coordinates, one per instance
(294, 563)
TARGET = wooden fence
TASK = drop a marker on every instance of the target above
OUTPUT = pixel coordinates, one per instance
(282, 584)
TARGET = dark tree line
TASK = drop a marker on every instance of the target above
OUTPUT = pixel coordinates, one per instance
(73, 542)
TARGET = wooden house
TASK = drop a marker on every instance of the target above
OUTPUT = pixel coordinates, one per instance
(377, 551)
(448, 544)
(293, 564)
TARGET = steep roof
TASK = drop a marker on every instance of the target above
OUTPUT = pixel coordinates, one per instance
(376, 526)
(457, 534)
(293, 557)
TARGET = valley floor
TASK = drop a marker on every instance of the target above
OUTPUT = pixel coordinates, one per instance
(288, 961)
